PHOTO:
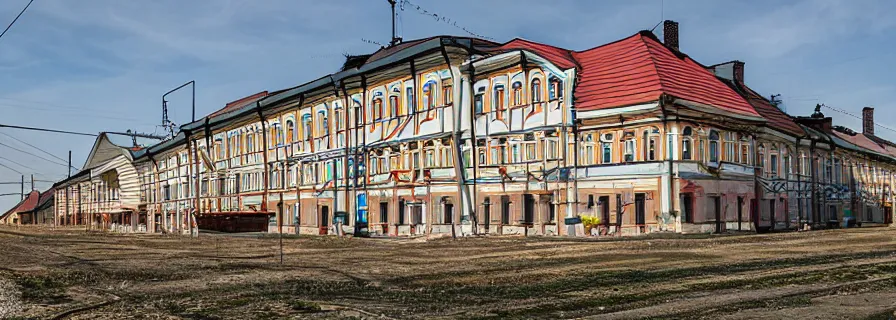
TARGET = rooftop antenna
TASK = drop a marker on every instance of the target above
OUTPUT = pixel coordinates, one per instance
(168, 124)
(777, 102)
(395, 38)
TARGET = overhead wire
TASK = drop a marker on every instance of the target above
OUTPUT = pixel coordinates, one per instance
(16, 19)
(857, 117)
(10, 168)
(36, 156)
(446, 20)
(17, 163)
(31, 145)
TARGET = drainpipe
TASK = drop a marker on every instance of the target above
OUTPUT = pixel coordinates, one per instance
(799, 185)
(264, 148)
(757, 190)
(669, 154)
(467, 202)
(474, 148)
(814, 179)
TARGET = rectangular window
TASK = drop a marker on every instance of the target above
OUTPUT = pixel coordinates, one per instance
(477, 103)
(530, 151)
(589, 155)
(416, 160)
(607, 153)
(773, 161)
(651, 149)
(629, 150)
(551, 150)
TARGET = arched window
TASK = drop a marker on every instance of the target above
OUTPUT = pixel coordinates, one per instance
(761, 155)
(219, 149)
(629, 147)
(517, 93)
(478, 100)
(291, 131)
(393, 102)
(280, 137)
(250, 141)
(410, 100)
(536, 90)
(686, 152)
(377, 108)
(606, 146)
(274, 135)
(555, 90)
(324, 124)
(429, 94)
(713, 146)
(306, 126)
(499, 101)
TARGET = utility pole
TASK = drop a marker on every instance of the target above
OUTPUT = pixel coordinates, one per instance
(32, 183)
(395, 38)
(22, 192)
(69, 169)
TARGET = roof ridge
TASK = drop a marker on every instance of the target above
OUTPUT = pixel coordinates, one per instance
(653, 64)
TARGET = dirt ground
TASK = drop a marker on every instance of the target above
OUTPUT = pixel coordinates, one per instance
(46, 273)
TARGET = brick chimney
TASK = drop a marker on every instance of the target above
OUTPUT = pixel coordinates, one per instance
(670, 34)
(868, 121)
(739, 71)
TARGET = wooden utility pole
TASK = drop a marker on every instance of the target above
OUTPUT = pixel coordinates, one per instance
(22, 191)
(69, 169)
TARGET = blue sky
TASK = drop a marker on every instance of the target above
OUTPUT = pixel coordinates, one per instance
(102, 65)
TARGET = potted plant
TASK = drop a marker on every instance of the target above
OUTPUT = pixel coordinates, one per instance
(590, 223)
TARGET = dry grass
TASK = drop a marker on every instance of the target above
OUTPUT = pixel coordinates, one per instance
(822, 274)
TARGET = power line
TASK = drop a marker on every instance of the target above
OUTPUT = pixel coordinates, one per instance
(34, 155)
(30, 145)
(16, 19)
(855, 116)
(10, 168)
(9, 194)
(26, 182)
(441, 18)
(47, 130)
(21, 165)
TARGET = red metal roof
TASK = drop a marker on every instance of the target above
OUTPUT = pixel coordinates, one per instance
(26, 205)
(862, 141)
(240, 103)
(777, 119)
(560, 57)
(638, 69)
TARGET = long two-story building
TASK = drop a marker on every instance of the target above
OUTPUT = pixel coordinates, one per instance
(456, 135)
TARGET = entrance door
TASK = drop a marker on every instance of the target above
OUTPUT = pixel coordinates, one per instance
(687, 208)
(772, 203)
(487, 207)
(324, 219)
(448, 211)
(716, 203)
(505, 210)
(604, 210)
(401, 208)
(384, 213)
(639, 209)
(529, 209)
(740, 212)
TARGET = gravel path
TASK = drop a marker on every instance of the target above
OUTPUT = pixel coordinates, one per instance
(10, 301)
